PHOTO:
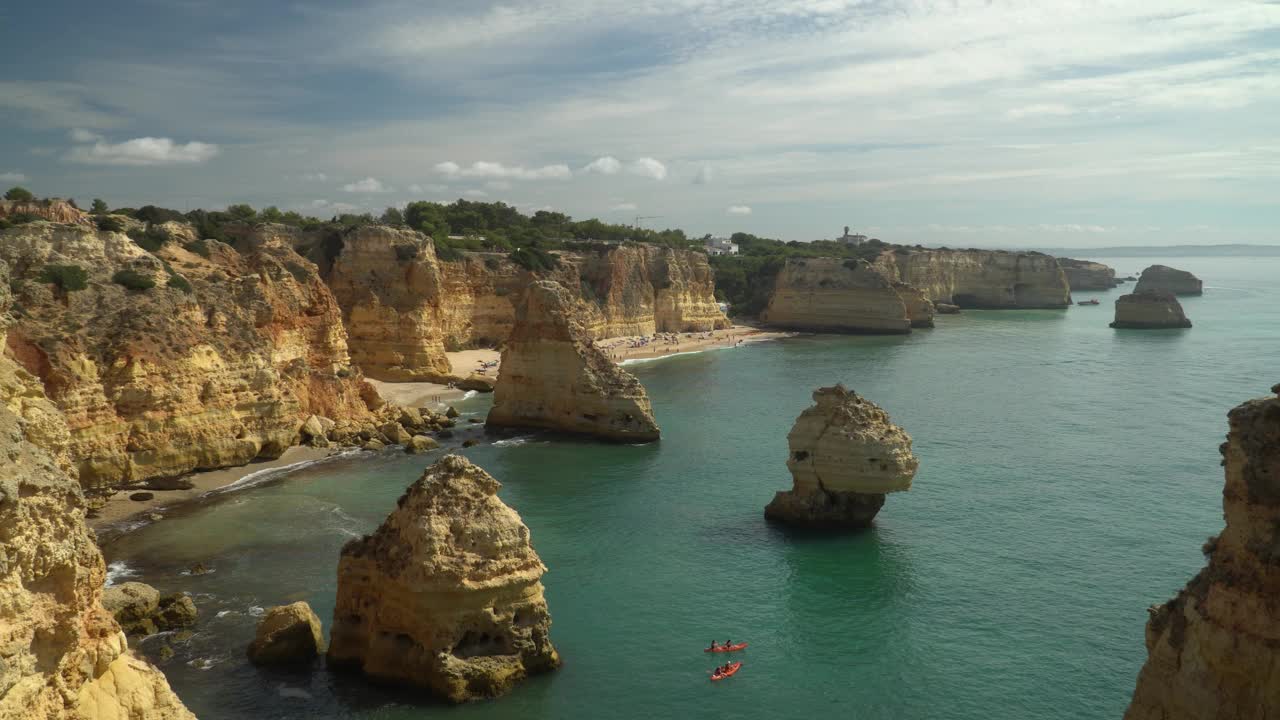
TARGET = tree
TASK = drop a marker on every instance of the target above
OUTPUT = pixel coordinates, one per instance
(242, 211)
(271, 214)
(19, 194)
(426, 217)
(392, 216)
(99, 207)
(67, 278)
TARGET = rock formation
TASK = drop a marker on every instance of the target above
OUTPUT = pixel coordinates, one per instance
(61, 653)
(1149, 310)
(552, 376)
(1167, 279)
(845, 455)
(835, 295)
(140, 609)
(405, 308)
(219, 363)
(446, 594)
(51, 209)
(995, 279)
(1214, 649)
(287, 634)
(920, 309)
(1088, 275)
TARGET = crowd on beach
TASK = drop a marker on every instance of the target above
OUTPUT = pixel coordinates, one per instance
(660, 343)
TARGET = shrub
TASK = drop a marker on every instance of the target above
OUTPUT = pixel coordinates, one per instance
(447, 252)
(23, 218)
(19, 194)
(68, 278)
(492, 263)
(298, 272)
(150, 239)
(5, 224)
(111, 223)
(405, 253)
(181, 283)
(99, 207)
(133, 280)
(534, 259)
(199, 247)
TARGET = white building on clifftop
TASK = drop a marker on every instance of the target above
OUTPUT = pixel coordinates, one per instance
(848, 239)
(721, 246)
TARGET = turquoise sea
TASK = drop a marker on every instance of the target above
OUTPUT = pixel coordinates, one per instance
(1069, 474)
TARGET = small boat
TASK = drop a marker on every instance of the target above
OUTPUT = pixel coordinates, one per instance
(726, 648)
(1088, 302)
(717, 675)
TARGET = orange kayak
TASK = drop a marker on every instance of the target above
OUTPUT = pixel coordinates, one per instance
(726, 648)
(728, 673)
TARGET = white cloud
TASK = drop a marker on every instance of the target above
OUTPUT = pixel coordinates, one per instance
(607, 165)
(498, 185)
(705, 176)
(739, 210)
(418, 189)
(324, 206)
(314, 177)
(486, 169)
(143, 151)
(475, 193)
(648, 167)
(81, 135)
(12, 177)
(367, 185)
(620, 207)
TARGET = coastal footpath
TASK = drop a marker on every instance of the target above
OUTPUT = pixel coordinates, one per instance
(1214, 649)
(62, 655)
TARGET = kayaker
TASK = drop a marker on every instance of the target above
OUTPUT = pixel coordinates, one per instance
(713, 645)
(728, 644)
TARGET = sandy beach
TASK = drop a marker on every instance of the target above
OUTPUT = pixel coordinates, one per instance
(620, 349)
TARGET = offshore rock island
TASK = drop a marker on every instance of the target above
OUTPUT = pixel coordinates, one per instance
(1149, 310)
(1163, 278)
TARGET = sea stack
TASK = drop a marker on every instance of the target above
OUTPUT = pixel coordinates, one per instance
(836, 295)
(1149, 310)
(1212, 650)
(845, 456)
(553, 376)
(447, 594)
(920, 309)
(1167, 279)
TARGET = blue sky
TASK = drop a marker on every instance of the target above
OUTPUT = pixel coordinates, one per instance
(998, 123)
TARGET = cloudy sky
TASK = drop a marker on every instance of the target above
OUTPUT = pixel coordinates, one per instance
(998, 123)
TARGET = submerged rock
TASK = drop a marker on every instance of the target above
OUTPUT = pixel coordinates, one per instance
(287, 634)
(446, 594)
(1212, 649)
(1166, 279)
(554, 377)
(845, 456)
(1149, 310)
(420, 444)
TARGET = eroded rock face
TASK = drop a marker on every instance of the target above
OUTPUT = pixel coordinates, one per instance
(553, 376)
(1149, 310)
(159, 382)
(836, 295)
(920, 310)
(52, 209)
(1166, 279)
(1088, 275)
(995, 279)
(61, 653)
(446, 594)
(845, 456)
(1214, 649)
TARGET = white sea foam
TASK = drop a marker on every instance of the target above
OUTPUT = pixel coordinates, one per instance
(224, 613)
(261, 476)
(118, 571)
(256, 611)
(205, 663)
(513, 442)
(638, 361)
(469, 394)
(293, 692)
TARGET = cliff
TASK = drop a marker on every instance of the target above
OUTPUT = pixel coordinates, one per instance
(920, 309)
(1088, 275)
(835, 295)
(1214, 649)
(552, 375)
(994, 279)
(446, 594)
(52, 209)
(1149, 310)
(191, 356)
(405, 308)
(61, 653)
(1167, 279)
(845, 455)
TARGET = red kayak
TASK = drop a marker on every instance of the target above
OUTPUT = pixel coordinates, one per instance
(727, 673)
(726, 648)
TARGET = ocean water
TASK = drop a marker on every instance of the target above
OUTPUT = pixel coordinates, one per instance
(1069, 474)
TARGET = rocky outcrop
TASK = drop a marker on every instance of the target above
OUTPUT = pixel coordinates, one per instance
(920, 309)
(553, 376)
(1088, 275)
(1149, 310)
(140, 609)
(845, 456)
(51, 209)
(217, 364)
(1167, 279)
(994, 279)
(1214, 649)
(446, 594)
(61, 653)
(287, 635)
(835, 295)
(404, 307)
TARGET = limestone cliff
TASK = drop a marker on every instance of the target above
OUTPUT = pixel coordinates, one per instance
(845, 456)
(1149, 310)
(1214, 649)
(61, 653)
(217, 363)
(51, 209)
(920, 309)
(552, 375)
(447, 593)
(1173, 280)
(995, 279)
(835, 295)
(405, 308)
(1088, 275)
